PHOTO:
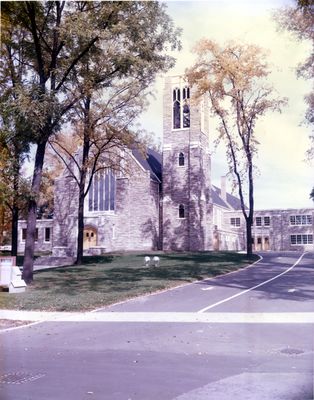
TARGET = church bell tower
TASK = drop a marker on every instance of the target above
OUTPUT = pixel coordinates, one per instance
(186, 203)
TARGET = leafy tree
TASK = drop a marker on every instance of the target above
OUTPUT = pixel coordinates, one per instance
(14, 189)
(102, 133)
(59, 36)
(233, 77)
(5, 224)
(299, 20)
(15, 135)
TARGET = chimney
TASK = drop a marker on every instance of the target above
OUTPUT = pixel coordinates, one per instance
(223, 190)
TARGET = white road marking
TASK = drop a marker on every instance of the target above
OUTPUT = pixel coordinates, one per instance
(291, 290)
(170, 317)
(208, 288)
(252, 288)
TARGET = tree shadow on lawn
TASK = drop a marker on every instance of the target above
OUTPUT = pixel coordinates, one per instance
(97, 274)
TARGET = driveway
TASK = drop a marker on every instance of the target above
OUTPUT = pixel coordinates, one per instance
(245, 335)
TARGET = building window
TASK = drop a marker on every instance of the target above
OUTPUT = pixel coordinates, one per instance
(258, 221)
(301, 239)
(235, 221)
(176, 109)
(47, 234)
(186, 107)
(101, 194)
(300, 219)
(181, 107)
(267, 221)
(181, 159)
(181, 211)
(23, 234)
(24, 230)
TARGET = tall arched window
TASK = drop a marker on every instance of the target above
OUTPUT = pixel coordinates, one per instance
(181, 211)
(181, 159)
(181, 107)
(101, 194)
(176, 109)
(186, 107)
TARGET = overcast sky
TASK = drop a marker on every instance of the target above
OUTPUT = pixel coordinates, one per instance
(285, 179)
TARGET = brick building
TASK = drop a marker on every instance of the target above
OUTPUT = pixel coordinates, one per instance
(166, 201)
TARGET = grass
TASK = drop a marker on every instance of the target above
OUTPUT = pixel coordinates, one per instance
(103, 280)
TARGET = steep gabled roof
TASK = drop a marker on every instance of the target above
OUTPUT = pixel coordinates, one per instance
(152, 163)
(231, 202)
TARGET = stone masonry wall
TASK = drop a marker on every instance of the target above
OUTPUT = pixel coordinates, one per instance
(188, 185)
(41, 244)
(276, 236)
(133, 225)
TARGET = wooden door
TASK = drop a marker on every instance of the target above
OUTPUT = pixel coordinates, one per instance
(90, 238)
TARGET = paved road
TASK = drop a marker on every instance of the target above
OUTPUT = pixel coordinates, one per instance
(248, 335)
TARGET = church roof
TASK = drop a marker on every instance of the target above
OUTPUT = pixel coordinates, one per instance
(231, 202)
(152, 163)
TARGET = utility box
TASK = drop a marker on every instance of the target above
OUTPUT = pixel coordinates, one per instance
(11, 276)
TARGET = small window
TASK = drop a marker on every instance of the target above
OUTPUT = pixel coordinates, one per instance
(181, 211)
(235, 221)
(47, 234)
(87, 234)
(23, 234)
(181, 159)
(266, 221)
(24, 230)
(259, 240)
(258, 221)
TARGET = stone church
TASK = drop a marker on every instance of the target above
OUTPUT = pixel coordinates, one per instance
(166, 201)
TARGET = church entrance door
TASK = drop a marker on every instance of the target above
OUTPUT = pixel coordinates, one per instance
(90, 237)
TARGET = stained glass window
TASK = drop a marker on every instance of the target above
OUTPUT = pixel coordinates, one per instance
(101, 194)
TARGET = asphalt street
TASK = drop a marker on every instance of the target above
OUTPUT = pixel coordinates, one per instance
(246, 335)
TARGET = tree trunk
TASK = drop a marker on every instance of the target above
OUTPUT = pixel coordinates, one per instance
(15, 208)
(14, 234)
(80, 235)
(249, 219)
(249, 248)
(86, 146)
(32, 214)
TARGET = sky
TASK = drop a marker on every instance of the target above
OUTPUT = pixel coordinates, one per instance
(285, 179)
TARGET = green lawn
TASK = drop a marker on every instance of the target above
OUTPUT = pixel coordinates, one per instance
(108, 279)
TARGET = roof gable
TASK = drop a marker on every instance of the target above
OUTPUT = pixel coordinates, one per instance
(232, 202)
(151, 163)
